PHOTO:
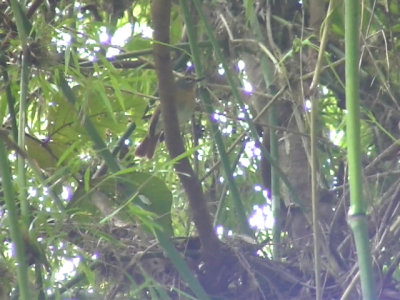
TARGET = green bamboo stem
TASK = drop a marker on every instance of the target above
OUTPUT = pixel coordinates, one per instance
(357, 213)
(315, 197)
(9, 198)
(239, 208)
(24, 28)
(10, 100)
(23, 25)
(21, 178)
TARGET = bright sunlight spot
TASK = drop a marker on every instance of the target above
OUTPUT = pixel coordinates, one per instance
(66, 193)
(68, 268)
(241, 65)
(103, 36)
(247, 86)
(307, 105)
(220, 231)
(146, 31)
(32, 192)
(251, 150)
(336, 136)
(261, 218)
(122, 35)
(221, 71)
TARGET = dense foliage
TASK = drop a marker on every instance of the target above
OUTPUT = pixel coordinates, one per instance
(78, 87)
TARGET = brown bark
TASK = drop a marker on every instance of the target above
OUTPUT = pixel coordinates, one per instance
(197, 202)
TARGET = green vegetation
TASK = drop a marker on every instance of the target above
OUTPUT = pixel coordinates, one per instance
(286, 190)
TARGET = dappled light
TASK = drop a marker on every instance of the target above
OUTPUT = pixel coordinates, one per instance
(199, 150)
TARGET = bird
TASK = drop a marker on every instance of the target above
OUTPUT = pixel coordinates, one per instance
(185, 104)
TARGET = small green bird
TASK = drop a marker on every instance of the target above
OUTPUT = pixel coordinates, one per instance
(185, 97)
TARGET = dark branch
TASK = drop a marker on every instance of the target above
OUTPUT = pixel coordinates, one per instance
(201, 217)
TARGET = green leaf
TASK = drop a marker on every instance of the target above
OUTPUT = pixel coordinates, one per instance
(150, 193)
(137, 42)
(89, 274)
(23, 24)
(122, 190)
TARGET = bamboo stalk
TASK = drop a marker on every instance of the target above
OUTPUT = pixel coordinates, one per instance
(357, 212)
